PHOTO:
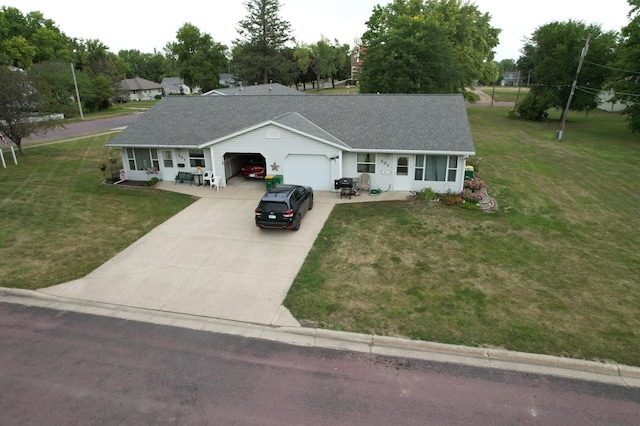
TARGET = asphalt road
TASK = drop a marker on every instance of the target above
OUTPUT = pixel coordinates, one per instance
(85, 127)
(60, 367)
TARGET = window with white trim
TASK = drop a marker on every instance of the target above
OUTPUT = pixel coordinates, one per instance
(436, 168)
(366, 162)
(196, 158)
(143, 158)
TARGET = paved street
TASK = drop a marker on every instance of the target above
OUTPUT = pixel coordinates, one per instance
(61, 367)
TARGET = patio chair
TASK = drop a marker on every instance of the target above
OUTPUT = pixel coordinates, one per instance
(213, 181)
(365, 182)
(206, 177)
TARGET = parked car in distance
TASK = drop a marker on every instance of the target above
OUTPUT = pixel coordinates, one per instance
(283, 206)
(254, 168)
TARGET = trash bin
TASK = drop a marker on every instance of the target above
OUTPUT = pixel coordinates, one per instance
(278, 179)
(468, 172)
(268, 180)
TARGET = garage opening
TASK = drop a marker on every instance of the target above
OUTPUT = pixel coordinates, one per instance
(249, 165)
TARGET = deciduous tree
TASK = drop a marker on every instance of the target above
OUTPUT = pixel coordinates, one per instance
(430, 46)
(24, 106)
(554, 52)
(199, 59)
(625, 80)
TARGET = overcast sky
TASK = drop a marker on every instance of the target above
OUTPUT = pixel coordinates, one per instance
(145, 26)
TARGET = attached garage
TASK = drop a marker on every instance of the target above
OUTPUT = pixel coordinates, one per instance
(309, 170)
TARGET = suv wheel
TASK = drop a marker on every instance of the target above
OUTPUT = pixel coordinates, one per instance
(296, 222)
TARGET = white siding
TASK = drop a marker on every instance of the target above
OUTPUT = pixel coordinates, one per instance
(275, 144)
(309, 170)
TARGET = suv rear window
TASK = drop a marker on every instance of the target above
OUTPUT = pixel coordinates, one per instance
(273, 206)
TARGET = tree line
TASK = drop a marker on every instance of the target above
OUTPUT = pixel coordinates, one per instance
(410, 46)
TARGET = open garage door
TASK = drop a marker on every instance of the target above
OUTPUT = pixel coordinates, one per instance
(234, 161)
(309, 170)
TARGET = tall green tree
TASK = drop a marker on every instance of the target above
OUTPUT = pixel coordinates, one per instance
(61, 89)
(24, 106)
(554, 53)
(149, 66)
(259, 54)
(430, 46)
(199, 58)
(30, 39)
(625, 81)
(319, 57)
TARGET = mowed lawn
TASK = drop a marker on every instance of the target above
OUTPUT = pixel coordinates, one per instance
(556, 270)
(59, 222)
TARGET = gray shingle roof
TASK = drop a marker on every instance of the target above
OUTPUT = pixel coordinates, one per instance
(139, 84)
(362, 122)
(256, 89)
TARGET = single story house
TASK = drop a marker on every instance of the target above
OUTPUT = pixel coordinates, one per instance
(174, 86)
(139, 89)
(404, 142)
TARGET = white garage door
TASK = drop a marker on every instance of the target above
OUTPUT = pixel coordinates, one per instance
(309, 170)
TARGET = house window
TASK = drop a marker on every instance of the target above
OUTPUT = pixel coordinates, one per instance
(402, 168)
(168, 158)
(436, 168)
(143, 158)
(196, 158)
(366, 162)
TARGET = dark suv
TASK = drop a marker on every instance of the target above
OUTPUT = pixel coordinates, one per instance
(283, 206)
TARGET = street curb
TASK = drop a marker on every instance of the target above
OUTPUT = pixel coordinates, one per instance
(498, 359)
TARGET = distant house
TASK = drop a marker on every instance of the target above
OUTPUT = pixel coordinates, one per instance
(511, 78)
(605, 104)
(139, 89)
(227, 79)
(256, 89)
(174, 86)
(403, 142)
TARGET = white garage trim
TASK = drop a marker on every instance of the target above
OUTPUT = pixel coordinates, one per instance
(309, 170)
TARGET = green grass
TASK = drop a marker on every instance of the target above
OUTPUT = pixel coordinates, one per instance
(59, 222)
(116, 110)
(553, 271)
(506, 94)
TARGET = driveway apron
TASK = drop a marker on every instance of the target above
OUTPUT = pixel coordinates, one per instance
(209, 260)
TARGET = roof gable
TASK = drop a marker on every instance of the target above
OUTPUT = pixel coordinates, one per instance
(139, 84)
(420, 123)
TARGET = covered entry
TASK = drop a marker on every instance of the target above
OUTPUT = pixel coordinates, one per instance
(309, 170)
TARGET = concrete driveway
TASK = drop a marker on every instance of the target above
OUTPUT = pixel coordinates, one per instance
(210, 259)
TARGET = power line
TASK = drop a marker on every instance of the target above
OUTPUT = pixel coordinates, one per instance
(613, 68)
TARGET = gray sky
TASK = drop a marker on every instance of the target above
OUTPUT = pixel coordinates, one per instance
(145, 26)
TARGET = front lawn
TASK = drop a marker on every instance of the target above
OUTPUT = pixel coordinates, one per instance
(59, 222)
(555, 270)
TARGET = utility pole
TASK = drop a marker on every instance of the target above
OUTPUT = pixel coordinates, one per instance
(75, 83)
(573, 89)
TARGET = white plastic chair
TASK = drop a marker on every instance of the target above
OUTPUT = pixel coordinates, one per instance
(215, 181)
(207, 177)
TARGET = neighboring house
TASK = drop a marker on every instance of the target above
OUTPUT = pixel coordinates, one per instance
(511, 78)
(605, 104)
(174, 86)
(256, 89)
(139, 89)
(227, 79)
(404, 142)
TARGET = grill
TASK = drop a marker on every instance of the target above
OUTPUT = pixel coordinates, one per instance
(345, 185)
